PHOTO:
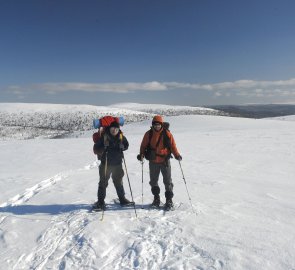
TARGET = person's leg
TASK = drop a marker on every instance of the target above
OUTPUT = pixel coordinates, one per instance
(104, 176)
(117, 176)
(166, 172)
(154, 179)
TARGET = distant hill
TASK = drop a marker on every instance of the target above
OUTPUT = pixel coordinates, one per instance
(257, 110)
(29, 120)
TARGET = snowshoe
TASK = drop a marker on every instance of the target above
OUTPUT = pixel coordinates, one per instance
(169, 206)
(156, 202)
(123, 202)
(99, 206)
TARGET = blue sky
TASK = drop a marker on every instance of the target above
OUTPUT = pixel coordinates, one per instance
(186, 52)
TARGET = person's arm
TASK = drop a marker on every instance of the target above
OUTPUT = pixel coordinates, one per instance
(174, 149)
(125, 143)
(99, 145)
(144, 143)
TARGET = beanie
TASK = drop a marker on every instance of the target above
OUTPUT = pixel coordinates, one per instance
(115, 124)
(158, 119)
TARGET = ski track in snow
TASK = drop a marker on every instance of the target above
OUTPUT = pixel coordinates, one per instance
(32, 191)
(157, 242)
(62, 240)
(62, 246)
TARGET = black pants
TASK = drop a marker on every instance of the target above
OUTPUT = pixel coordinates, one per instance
(165, 169)
(117, 174)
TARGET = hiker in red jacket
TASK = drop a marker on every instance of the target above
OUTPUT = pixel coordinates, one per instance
(157, 146)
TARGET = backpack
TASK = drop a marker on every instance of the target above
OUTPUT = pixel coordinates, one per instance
(150, 153)
(102, 124)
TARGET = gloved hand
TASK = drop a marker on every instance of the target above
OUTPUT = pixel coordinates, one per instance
(179, 157)
(140, 157)
(121, 146)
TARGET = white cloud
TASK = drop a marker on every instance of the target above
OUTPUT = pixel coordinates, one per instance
(101, 87)
(245, 88)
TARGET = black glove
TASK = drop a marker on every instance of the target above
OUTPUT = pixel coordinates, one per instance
(121, 146)
(178, 158)
(139, 157)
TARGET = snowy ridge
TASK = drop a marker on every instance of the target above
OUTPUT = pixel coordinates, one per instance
(168, 110)
(28, 121)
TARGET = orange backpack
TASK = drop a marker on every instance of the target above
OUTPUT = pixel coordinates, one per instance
(104, 122)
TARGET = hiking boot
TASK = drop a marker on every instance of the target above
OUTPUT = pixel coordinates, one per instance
(156, 202)
(99, 206)
(124, 201)
(169, 204)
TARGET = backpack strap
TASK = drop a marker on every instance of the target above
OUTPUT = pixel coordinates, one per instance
(166, 140)
(150, 138)
(160, 137)
(106, 141)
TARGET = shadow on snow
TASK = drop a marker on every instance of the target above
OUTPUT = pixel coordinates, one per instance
(57, 209)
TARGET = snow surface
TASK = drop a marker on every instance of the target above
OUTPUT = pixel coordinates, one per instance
(284, 118)
(158, 107)
(29, 121)
(239, 173)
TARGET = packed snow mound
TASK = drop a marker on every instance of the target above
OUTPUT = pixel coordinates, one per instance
(36, 120)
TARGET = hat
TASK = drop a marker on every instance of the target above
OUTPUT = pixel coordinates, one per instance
(115, 124)
(158, 119)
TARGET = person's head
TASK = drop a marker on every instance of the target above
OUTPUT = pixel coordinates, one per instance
(114, 128)
(157, 122)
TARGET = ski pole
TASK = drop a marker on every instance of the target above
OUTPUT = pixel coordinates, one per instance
(186, 188)
(141, 184)
(106, 166)
(129, 183)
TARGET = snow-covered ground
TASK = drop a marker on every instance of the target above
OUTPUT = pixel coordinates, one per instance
(239, 172)
(167, 110)
(284, 118)
(29, 121)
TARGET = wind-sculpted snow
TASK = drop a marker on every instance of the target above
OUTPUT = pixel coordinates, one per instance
(28, 121)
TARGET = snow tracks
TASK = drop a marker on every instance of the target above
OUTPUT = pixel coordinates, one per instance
(73, 238)
(157, 240)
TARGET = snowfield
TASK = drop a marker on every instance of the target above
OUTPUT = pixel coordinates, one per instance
(240, 176)
(284, 118)
(29, 121)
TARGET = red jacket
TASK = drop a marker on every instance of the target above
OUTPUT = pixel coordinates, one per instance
(161, 151)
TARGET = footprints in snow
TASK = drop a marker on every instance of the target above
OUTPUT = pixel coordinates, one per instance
(30, 192)
(159, 242)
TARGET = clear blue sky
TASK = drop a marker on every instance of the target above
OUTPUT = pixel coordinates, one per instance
(158, 51)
